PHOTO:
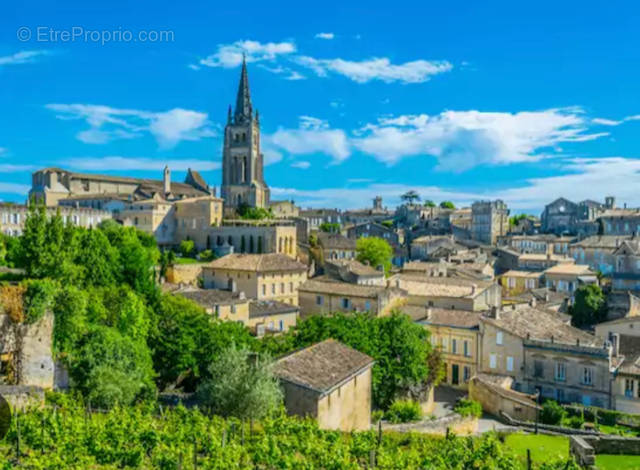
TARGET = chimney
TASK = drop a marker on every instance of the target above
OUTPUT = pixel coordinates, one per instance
(242, 295)
(166, 180)
(513, 306)
(495, 313)
(532, 302)
(615, 343)
(429, 312)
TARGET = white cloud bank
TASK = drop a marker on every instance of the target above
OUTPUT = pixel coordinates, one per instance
(327, 36)
(23, 57)
(230, 55)
(382, 69)
(138, 164)
(107, 123)
(617, 176)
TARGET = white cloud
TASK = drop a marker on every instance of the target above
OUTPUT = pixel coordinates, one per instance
(13, 168)
(417, 71)
(289, 73)
(230, 55)
(303, 165)
(325, 36)
(460, 140)
(616, 176)
(313, 136)
(138, 164)
(612, 122)
(23, 57)
(107, 123)
(14, 188)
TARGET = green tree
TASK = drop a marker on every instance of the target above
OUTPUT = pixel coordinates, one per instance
(516, 219)
(375, 251)
(187, 248)
(589, 306)
(99, 260)
(552, 413)
(112, 369)
(241, 384)
(329, 227)
(429, 203)
(410, 197)
(447, 205)
(185, 339)
(126, 311)
(33, 242)
(404, 356)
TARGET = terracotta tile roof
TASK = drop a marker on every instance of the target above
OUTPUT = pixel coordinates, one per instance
(575, 269)
(417, 284)
(326, 286)
(336, 241)
(442, 316)
(516, 273)
(323, 366)
(257, 263)
(523, 320)
(356, 267)
(602, 241)
(630, 349)
(210, 297)
(263, 308)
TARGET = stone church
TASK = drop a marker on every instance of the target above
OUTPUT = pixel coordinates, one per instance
(242, 162)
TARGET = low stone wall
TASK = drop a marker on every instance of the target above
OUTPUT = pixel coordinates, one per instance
(22, 396)
(185, 273)
(459, 425)
(585, 448)
(496, 399)
(547, 428)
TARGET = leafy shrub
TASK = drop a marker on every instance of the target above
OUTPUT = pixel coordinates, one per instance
(187, 247)
(377, 415)
(38, 299)
(404, 411)
(552, 413)
(207, 255)
(466, 407)
(575, 422)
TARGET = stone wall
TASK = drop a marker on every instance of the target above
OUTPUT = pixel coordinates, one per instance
(22, 396)
(454, 423)
(496, 399)
(585, 448)
(185, 273)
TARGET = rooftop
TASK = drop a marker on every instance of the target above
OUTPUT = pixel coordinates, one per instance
(572, 269)
(336, 241)
(210, 297)
(442, 316)
(526, 274)
(263, 308)
(326, 286)
(257, 263)
(322, 367)
(416, 284)
(534, 323)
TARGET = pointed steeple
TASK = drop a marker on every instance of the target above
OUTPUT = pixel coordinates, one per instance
(243, 101)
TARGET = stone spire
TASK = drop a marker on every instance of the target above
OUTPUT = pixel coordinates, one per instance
(243, 101)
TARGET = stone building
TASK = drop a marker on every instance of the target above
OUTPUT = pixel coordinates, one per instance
(242, 160)
(489, 220)
(597, 251)
(516, 282)
(329, 382)
(539, 244)
(284, 209)
(336, 246)
(569, 277)
(543, 353)
(271, 276)
(316, 217)
(55, 186)
(260, 316)
(324, 296)
(626, 274)
(372, 229)
(13, 217)
(355, 272)
(448, 293)
(455, 334)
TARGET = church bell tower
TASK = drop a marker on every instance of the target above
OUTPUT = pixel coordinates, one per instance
(242, 163)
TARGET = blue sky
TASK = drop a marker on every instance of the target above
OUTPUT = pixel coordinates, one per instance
(457, 100)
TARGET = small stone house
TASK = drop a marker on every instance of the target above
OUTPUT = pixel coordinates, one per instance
(260, 316)
(321, 295)
(516, 282)
(329, 382)
(272, 276)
